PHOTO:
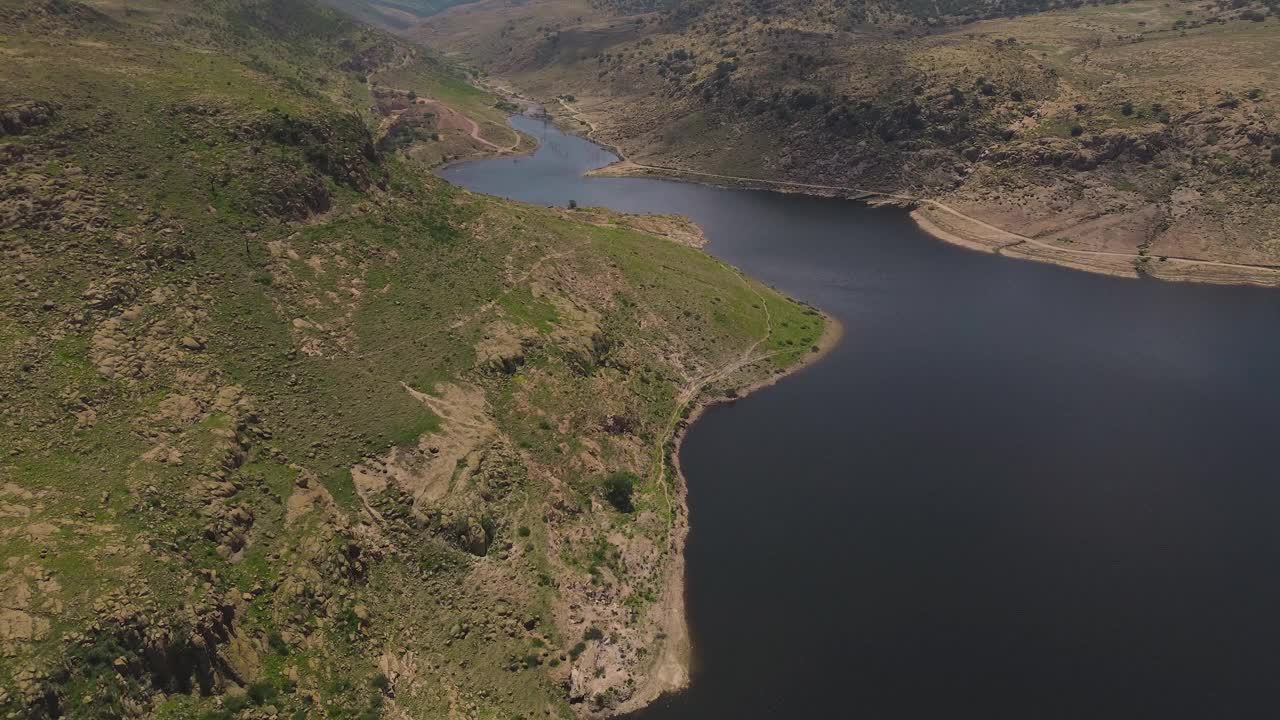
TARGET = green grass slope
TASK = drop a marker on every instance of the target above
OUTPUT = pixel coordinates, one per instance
(291, 427)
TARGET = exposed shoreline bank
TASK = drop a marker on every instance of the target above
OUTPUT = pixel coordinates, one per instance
(952, 226)
(672, 670)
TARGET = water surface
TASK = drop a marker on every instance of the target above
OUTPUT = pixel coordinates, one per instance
(1013, 491)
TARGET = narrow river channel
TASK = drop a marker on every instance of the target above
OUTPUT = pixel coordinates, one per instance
(1013, 491)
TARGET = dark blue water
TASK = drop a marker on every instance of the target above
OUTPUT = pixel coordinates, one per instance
(1014, 491)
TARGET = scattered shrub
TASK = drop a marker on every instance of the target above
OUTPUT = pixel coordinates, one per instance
(276, 642)
(233, 704)
(262, 693)
(618, 489)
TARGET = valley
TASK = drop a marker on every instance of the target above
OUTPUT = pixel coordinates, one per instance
(343, 378)
(1140, 129)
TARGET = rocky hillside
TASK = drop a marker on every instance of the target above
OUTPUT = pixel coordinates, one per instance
(1142, 128)
(397, 14)
(294, 429)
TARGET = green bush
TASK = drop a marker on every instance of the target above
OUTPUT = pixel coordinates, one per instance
(618, 489)
(235, 703)
(262, 693)
(276, 642)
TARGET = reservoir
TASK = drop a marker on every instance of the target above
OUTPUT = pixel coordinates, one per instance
(1012, 491)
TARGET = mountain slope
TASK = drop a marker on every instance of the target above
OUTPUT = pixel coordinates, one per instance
(394, 14)
(293, 428)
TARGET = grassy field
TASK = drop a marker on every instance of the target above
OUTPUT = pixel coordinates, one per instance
(293, 427)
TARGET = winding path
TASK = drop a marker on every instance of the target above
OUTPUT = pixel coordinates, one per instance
(475, 132)
(694, 387)
(390, 119)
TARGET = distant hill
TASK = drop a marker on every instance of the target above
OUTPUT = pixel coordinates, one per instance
(393, 14)
(843, 13)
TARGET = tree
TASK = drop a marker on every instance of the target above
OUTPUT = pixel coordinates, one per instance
(618, 488)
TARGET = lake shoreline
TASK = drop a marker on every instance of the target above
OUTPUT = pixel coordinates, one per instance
(944, 224)
(672, 669)
(934, 218)
(846, 500)
(671, 672)
(950, 226)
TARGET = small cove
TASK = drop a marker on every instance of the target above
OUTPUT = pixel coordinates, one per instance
(1013, 491)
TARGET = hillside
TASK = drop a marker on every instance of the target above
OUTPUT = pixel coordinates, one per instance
(394, 14)
(295, 429)
(1144, 129)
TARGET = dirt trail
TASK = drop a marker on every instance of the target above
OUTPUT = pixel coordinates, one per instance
(452, 118)
(695, 386)
(475, 132)
(473, 127)
(862, 193)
